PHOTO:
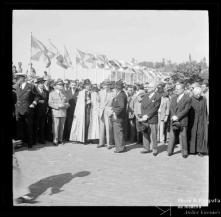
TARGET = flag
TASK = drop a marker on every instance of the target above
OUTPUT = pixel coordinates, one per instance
(39, 51)
(114, 63)
(81, 53)
(52, 50)
(61, 61)
(103, 62)
(80, 62)
(90, 60)
(67, 58)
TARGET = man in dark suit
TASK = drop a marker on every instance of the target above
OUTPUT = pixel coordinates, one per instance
(71, 95)
(119, 105)
(149, 110)
(27, 99)
(41, 110)
(179, 108)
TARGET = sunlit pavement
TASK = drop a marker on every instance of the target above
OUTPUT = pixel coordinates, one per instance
(76, 174)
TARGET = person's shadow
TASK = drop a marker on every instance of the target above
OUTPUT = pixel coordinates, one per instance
(55, 182)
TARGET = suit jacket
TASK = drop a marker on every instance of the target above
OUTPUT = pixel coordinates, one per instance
(105, 101)
(164, 108)
(25, 97)
(54, 101)
(72, 99)
(119, 105)
(181, 109)
(150, 107)
(42, 106)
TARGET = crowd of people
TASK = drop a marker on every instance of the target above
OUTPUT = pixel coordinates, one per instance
(111, 114)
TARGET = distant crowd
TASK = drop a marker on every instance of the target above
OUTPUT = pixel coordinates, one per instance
(111, 114)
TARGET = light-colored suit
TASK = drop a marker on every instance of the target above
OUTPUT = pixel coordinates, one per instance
(58, 113)
(105, 112)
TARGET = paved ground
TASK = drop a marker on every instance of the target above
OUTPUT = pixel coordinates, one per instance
(76, 174)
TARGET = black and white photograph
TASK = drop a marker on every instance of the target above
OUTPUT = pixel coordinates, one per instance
(110, 108)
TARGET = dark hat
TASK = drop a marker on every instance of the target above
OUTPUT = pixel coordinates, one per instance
(40, 80)
(106, 82)
(20, 74)
(66, 81)
(58, 82)
(87, 82)
(176, 125)
(119, 84)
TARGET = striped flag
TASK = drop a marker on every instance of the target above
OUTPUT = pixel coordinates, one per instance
(67, 58)
(39, 51)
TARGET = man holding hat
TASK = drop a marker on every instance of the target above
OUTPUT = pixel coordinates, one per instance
(27, 100)
(41, 110)
(119, 105)
(59, 104)
(106, 96)
(179, 109)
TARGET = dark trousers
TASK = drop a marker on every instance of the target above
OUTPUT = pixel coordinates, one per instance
(150, 136)
(132, 130)
(25, 128)
(119, 137)
(40, 127)
(139, 132)
(68, 125)
(87, 120)
(48, 127)
(127, 127)
(182, 139)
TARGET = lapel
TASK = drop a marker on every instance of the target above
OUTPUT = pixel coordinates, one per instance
(23, 91)
(181, 100)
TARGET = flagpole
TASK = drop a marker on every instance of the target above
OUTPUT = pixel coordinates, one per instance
(76, 71)
(30, 53)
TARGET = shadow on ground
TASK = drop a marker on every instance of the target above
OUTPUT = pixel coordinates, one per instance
(55, 182)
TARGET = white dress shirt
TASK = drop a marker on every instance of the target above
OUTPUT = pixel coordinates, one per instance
(179, 97)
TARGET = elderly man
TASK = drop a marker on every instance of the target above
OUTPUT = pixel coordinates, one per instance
(198, 123)
(119, 105)
(149, 109)
(27, 100)
(106, 96)
(59, 104)
(179, 109)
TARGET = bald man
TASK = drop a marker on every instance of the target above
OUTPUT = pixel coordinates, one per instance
(179, 109)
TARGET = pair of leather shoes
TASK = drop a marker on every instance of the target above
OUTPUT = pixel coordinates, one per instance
(200, 154)
(155, 154)
(124, 150)
(185, 156)
(100, 146)
(145, 151)
(170, 154)
(55, 143)
(24, 199)
(110, 146)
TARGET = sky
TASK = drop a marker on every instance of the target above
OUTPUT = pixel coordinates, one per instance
(145, 35)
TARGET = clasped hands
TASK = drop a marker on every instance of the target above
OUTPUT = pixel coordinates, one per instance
(63, 105)
(174, 118)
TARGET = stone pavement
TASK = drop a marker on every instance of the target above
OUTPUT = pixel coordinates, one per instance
(76, 174)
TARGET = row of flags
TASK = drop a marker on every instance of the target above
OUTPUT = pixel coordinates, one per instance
(47, 51)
